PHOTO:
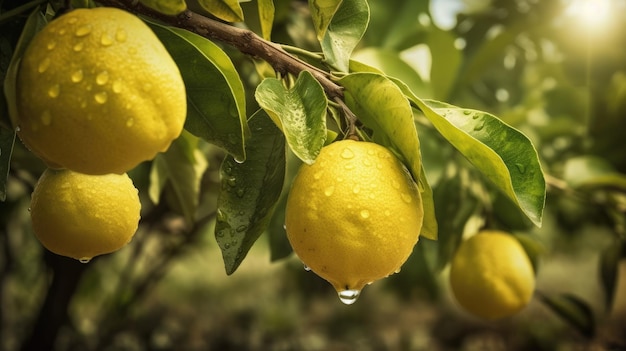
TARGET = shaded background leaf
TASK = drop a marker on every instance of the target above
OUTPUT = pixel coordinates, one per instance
(573, 310)
(322, 12)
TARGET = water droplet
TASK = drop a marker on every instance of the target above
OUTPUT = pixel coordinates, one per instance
(43, 65)
(406, 198)
(395, 184)
(62, 31)
(307, 268)
(349, 166)
(242, 228)
(479, 126)
(475, 116)
(520, 167)
(54, 91)
(117, 86)
(232, 181)
(18, 129)
(467, 113)
(317, 175)
(349, 297)
(82, 31)
(365, 214)
(347, 153)
(84, 260)
(397, 270)
(329, 191)
(120, 35)
(102, 78)
(101, 97)
(72, 20)
(227, 245)
(106, 40)
(367, 162)
(77, 76)
(46, 118)
(78, 47)
(51, 45)
(356, 189)
(29, 209)
(130, 122)
(239, 159)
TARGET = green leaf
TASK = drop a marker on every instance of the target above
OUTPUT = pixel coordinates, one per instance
(503, 154)
(266, 17)
(381, 106)
(216, 98)
(573, 310)
(392, 65)
(181, 167)
(430, 226)
(277, 235)
(446, 60)
(7, 140)
(454, 205)
(322, 12)
(609, 270)
(35, 22)
(344, 33)
(249, 191)
(227, 10)
(300, 112)
(592, 172)
(168, 7)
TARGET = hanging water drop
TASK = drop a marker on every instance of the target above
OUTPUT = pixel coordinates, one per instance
(349, 296)
(84, 259)
(307, 268)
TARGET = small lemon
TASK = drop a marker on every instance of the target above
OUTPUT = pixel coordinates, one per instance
(353, 216)
(82, 216)
(98, 93)
(491, 275)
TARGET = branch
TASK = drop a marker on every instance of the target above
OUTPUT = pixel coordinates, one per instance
(243, 40)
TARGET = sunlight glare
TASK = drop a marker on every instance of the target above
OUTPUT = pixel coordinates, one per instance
(592, 14)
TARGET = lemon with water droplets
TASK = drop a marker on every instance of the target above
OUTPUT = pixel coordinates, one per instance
(97, 92)
(354, 215)
(491, 275)
(83, 216)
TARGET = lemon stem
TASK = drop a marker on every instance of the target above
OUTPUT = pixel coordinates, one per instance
(351, 120)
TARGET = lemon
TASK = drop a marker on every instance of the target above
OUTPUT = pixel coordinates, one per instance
(82, 216)
(353, 216)
(98, 93)
(491, 275)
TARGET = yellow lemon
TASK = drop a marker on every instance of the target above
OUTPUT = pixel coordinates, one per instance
(98, 93)
(491, 275)
(82, 216)
(353, 216)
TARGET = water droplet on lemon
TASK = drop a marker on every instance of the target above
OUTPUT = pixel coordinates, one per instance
(349, 296)
(102, 78)
(54, 91)
(101, 97)
(82, 31)
(77, 76)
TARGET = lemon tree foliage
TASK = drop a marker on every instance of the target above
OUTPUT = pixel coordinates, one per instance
(300, 102)
(215, 93)
(250, 191)
(300, 111)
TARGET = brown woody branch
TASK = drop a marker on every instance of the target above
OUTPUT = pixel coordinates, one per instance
(243, 40)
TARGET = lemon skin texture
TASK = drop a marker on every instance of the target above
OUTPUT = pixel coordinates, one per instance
(98, 93)
(353, 216)
(83, 216)
(491, 275)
